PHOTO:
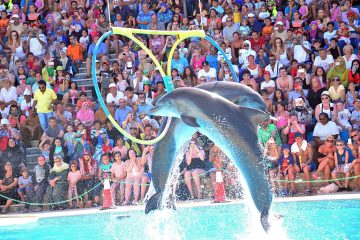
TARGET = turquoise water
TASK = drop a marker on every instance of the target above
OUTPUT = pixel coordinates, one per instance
(301, 220)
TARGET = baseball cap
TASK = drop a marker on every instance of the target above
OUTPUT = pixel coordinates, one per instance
(147, 82)
(280, 23)
(285, 146)
(15, 16)
(59, 68)
(205, 63)
(251, 15)
(325, 93)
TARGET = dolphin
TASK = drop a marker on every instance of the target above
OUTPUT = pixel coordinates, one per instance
(179, 133)
(233, 129)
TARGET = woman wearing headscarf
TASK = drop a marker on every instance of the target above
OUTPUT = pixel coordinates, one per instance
(58, 183)
(244, 53)
(86, 115)
(339, 70)
(89, 171)
(14, 155)
(314, 95)
(65, 63)
(165, 14)
(58, 149)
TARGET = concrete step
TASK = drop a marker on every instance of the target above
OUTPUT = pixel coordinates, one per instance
(34, 143)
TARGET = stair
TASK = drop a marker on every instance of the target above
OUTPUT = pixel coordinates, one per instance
(81, 79)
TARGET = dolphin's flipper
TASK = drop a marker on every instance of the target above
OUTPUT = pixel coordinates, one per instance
(265, 221)
(191, 121)
(154, 202)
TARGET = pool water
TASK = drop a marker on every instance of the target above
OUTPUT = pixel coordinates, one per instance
(335, 219)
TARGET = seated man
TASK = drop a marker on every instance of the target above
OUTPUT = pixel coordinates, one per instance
(303, 157)
(53, 131)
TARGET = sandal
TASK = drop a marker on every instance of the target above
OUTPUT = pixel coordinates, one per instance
(315, 176)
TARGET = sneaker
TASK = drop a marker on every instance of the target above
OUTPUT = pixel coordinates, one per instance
(134, 203)
(307, 191)
(95, 205)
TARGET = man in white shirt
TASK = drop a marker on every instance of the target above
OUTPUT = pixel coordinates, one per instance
(330, 33)
(207, 72)
(8, 93)
(114, 95)
(325, 128)
(269, 85)
(300, 48)
(324, 60)
(273, 67)
(27, 103)
(37, 42)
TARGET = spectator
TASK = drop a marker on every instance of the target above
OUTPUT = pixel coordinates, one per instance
(41, 173)
(58, 183)
(8, 183)
(326, 106)
(134, 170)
(58, 148)
(53, 131)
(86, 115)
(339, 70)
(44, 98)
(324, 128)
(207, 72)
(15, 155)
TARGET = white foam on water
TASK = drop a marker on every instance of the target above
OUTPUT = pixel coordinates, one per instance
(164, 226)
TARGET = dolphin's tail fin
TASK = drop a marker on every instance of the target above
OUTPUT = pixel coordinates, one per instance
(265, 220)
(153, 202)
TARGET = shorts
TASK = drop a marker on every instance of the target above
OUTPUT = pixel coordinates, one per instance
(312, 166)
(25, 190)
(149, 176)
(346, 167)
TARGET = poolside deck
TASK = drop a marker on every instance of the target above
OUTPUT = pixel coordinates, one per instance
(17, 218)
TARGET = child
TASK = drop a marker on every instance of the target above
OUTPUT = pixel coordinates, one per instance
(343, 117)
(334, 49)
(96, 8)
(80, 145)
(44, 147)
(69, 138)
(237, 14)
(41, 173)
(118, 175)
(183, 50)
(84, 39)
(26, 189)
(334, 10)
(303, 10)
(342, 165)
(330, 33)
(105, 174)
(286, 171)
(218, 37)
(73, 178)
(106, 147)
(344, 33)
(244, 29)
(120, 147)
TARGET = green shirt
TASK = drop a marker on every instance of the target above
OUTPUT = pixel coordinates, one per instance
(264, 135)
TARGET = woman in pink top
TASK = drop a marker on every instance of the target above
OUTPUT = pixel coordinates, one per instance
(134, 170)
(282, 117)
(118, 175)
(86, 115)
(196, 60)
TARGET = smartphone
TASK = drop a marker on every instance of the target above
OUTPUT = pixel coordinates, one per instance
(349, 141)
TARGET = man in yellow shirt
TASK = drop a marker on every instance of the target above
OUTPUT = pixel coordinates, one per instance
(44, 98)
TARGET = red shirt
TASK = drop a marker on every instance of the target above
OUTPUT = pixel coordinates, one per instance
(256, 45)
(354, 79)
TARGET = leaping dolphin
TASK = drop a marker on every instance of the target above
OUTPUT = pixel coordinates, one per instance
(179, 133)
(232, 128)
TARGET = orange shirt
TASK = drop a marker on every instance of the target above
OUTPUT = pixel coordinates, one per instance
(75, 52)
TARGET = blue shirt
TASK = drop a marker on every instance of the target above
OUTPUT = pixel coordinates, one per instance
(102, 49)
(287, 11)
(121, 113)
(180, 64)
(144, 108)
(144, 17)
(213, 61)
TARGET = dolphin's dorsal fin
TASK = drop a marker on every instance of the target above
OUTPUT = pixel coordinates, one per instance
(188, 120)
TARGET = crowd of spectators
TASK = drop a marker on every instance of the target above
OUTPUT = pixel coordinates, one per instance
(302, 57)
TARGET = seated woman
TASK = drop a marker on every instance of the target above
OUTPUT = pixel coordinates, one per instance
(325, 158)
(86, 115)
(134, 170)
(58, 148)
(8, 186)
(15, 155)
(89, 171)
(195, 157)
(337, 91)
(292, 127)
(271, 155)
(58, 183)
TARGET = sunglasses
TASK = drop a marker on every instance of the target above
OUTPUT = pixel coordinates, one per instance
(246, 74)
(323, 98)
(339, 145)
(330, 141)
(246, 45)
(336, 79)
(354, 136)
(22, 78)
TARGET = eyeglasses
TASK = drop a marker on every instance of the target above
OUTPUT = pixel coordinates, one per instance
(330, 141)
(339, 145)
(336, 79)
(355, 135)
(22, 78)
(246, 45)
(246, 75)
